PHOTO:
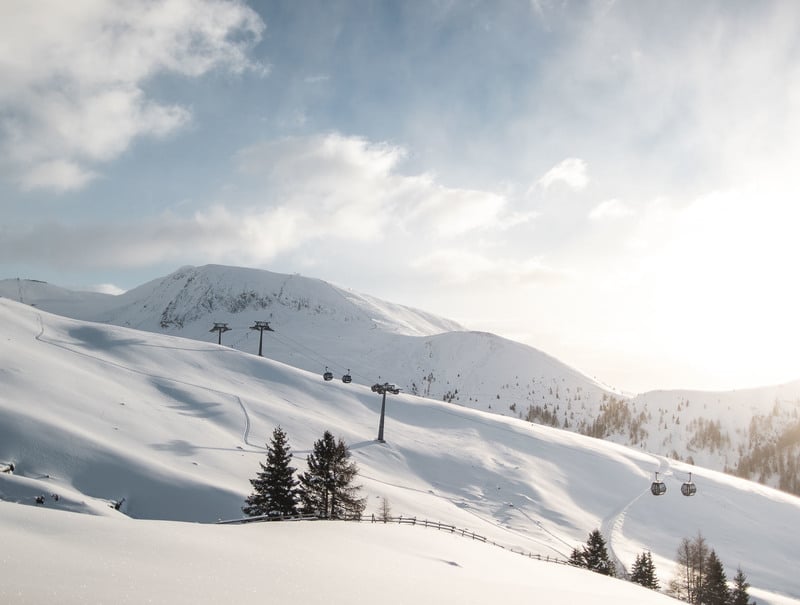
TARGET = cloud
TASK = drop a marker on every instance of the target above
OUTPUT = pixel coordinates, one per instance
(73, 76)
(609, 210)
(106, 289)
(56, 174)
(303, 190)
(571, 172)
(458, 266)
(355, 187)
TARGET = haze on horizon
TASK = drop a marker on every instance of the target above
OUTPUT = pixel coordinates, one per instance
(612, 182)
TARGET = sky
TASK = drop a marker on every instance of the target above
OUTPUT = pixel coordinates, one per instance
(612, 182)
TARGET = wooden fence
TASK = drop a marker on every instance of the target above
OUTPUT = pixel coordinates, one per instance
(438, 525)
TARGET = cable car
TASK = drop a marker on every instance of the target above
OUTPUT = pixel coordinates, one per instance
(658, 488)
(328, 375)
(347, 379)
(689, 488)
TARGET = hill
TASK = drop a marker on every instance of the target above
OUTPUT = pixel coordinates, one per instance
(172, 429)
(752, 433)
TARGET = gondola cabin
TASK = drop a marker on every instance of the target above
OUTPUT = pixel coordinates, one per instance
(689, 488)
(328, 375)
(658, 488)
(347, 379)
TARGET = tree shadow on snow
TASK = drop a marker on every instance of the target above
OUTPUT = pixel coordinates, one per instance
(187, 404)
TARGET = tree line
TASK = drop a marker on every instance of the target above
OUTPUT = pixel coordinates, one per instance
(700, 576)
(325, 489)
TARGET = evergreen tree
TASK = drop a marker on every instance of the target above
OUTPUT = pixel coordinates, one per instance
(739, 595)
(594, 555)
(576, 558)
(715, 587)
(326, 488)
(274, 488)
(643, 571)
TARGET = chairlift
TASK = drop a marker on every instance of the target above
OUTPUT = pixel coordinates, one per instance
(658, 488)
(689, 488)
(347, 379)
(328, 375)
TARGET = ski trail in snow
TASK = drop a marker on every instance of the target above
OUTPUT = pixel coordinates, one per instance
(489, 521)
(246, 431)
(612, 525)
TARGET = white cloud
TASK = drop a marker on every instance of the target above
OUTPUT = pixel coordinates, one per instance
(72, 76)
(355, 188)
(457, 266)
(106, 289)
(571, 172)
(305, 190)
(55, 174)
(609, 210)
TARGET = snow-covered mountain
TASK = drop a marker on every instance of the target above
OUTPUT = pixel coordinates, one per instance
(173, 429)
(316, 326)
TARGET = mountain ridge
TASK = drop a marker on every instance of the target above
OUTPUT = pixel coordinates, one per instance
(319, 327)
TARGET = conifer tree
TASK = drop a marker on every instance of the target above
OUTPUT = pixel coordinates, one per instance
(326, 488)
(715, 587)
(576, 558)
(643, 571)
(274, 488)
(739, 594)
(594, 555)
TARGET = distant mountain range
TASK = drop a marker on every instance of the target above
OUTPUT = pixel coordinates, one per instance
(317, 326)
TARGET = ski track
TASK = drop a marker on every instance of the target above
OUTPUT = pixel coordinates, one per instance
(613, 524)
(484, 519)
(247, 427)
(247, 424)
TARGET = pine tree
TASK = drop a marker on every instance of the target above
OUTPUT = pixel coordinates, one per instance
(715, 587)
(739, 595)
(576, 558)
(326, 488)
(643, 571)
(594, 555)
(274, 488)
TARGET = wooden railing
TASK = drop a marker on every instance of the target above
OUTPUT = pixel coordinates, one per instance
(401, 520)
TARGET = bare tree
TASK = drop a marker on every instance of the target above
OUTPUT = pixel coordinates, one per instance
(385, 511)
(691, 574)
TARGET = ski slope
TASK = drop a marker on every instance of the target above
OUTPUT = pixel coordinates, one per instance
(174, 428)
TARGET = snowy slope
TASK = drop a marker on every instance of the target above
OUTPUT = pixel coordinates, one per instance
(317, 326)
(94, 560)
(175, 427)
